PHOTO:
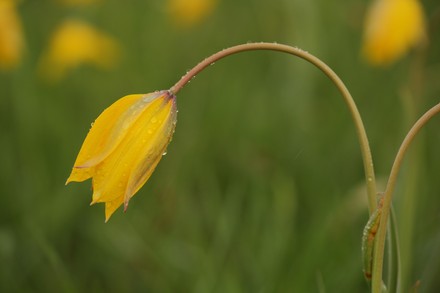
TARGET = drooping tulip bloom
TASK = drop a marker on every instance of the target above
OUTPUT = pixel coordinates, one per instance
(124, 146)
(392, 27)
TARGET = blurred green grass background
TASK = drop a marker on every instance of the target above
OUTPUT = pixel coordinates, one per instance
(262, 187)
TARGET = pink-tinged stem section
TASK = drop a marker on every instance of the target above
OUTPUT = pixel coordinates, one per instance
(362, 136)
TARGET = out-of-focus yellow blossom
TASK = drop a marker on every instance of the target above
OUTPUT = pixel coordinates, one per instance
(187, 13)
(78, 2)
(74, 43)
(11, 35)
(124, 146)
(392, 27)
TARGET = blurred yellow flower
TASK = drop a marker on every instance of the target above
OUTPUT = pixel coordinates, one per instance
(11, 35)
(74, 43)
(187, 13)
(124, 146)
(392, 27)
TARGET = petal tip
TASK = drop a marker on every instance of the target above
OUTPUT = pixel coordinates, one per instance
(107, 216)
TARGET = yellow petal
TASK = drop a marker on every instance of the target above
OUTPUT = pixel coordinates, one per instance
(155, 149)
(105, 134)
(111, 207)
(80, 174)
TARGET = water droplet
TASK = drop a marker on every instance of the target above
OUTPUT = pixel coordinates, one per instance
(370, 179)
(153, 120)
(150, 131)
(164, 153)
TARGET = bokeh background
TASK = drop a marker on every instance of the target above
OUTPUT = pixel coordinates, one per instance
(262, 189)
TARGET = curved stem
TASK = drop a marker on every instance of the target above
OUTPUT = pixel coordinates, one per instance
(362, 136)
(381, 234)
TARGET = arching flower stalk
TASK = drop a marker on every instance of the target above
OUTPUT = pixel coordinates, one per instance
(110, 154)
(127, 141)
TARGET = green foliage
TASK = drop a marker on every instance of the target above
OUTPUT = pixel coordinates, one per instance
(262, 187)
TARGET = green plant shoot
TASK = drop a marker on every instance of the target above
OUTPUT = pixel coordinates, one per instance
(368, 237)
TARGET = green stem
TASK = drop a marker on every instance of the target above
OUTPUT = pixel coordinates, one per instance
(362, 136)
(394, 271)
(379, 246)
(410, 180)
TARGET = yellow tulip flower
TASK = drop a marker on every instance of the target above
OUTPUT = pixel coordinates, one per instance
(11, 35)
(124, 146)
(392, 27)
(187, 13)
(74, 43)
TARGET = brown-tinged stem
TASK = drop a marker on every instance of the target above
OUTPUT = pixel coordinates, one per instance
(362, 136)
(379, 246)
